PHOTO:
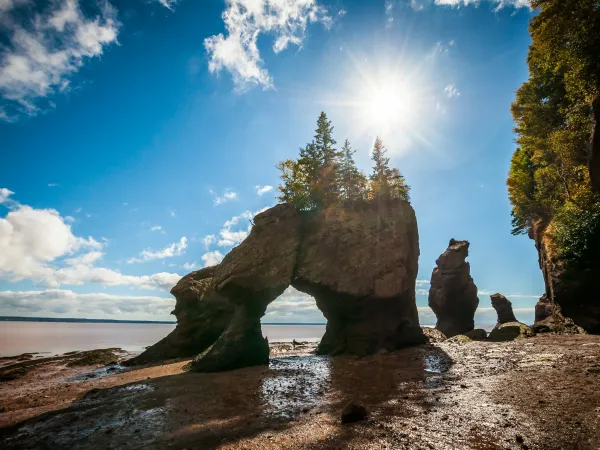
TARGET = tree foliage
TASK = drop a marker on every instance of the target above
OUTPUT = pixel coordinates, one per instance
(322, 175)
(548, 179)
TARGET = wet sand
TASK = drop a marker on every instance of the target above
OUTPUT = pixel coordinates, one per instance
(539, 393)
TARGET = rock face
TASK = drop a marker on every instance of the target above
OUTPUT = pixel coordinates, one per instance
(359, 262)
(503, 307)
(251, 276)
(543, 308)
(202, 315)
(594, 163)
(576, 293)
(453, 294)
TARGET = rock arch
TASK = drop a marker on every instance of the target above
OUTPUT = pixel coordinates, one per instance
(359, 261)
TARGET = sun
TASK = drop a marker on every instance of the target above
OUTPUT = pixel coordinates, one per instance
(387, 106)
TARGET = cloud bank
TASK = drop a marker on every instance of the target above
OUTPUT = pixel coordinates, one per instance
(39, 245)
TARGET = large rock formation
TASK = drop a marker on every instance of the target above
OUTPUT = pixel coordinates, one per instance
(202, 315)
(358, 261)
(453, 294)
(252, 275)
(594, 163)
(574, 292)
(360, 264)
(503, 307)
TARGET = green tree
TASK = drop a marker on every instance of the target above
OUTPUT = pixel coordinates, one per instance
(381, 170)
(351, 181)
(386, 182)
(328, 189)
(294, 188)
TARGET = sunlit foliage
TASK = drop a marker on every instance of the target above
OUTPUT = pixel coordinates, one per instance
(323, 175)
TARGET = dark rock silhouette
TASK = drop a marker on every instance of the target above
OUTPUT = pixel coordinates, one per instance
(202, 315)
(574, 292)
(478, 334)
(503, 307)
(594, 162)
(543, 308)
(359, 262)
(353, 412)
(251, 276)
(453, 294)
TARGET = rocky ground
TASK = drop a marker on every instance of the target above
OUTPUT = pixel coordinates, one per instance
(537, 393)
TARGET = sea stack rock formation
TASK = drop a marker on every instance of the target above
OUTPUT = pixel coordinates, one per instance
(595, 147)
(503, 307)
(359, 261)
(453, 294)
(202, 315)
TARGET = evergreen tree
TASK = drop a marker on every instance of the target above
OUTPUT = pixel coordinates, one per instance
(381, 171)
(398, 186)
(327, 189)
(350, 181)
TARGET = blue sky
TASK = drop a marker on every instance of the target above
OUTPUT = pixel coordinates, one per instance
(139, 137)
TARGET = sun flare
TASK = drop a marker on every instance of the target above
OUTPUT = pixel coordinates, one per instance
(388, 106)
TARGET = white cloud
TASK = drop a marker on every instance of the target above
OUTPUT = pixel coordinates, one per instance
(451, 91)
(78, 210)
(38, 245)
(260, 190)
(175, 249)
(226, 197)
(52, 184)
(169, 4)
(172, 213)
(209, 240)
(43, 52)
(212, 258)
(190, 266)
(419, 5)
(158, 228)
(294, 306)
(4, 194)
(52, 302)
(245, 20)
(228, 237)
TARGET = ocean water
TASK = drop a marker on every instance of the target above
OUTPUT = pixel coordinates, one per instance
(55, 338)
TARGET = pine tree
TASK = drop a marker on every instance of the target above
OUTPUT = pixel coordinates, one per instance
(327, 190)
(398, 186)
(381, 171)
(350, 181)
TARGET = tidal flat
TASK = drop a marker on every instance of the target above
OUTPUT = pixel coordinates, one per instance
(536, 393)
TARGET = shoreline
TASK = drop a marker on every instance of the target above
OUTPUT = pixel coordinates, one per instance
(538, 393)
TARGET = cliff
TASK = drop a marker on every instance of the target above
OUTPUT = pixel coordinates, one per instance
(575, 292)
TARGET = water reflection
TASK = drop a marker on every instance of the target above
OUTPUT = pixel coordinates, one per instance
(296, 384)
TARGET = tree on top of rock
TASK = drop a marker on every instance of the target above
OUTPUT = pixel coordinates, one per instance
(353, 183)
(322, 175)
(328, 189)
(386, 182)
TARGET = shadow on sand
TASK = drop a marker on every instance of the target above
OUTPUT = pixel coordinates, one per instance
(256, 407)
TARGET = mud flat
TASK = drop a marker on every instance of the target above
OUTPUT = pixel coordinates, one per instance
(537, 393)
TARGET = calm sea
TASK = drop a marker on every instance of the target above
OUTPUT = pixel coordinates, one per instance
(61, 337)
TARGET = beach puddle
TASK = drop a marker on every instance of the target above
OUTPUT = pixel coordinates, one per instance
(295, 384)
(100, 372)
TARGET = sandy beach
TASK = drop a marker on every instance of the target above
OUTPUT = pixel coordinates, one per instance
(538, 393)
